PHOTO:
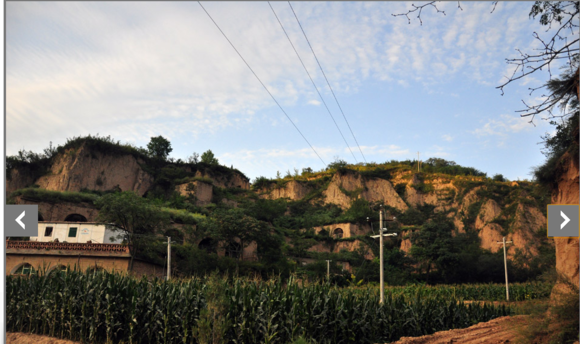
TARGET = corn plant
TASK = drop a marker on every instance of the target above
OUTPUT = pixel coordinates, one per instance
(100, 307)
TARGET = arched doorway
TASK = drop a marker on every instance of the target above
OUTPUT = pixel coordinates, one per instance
(40, 217)
(208, 245)
(338, 233)
(75, 218)
(234, 250)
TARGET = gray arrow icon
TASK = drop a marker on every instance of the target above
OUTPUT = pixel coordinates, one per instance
(20, 218)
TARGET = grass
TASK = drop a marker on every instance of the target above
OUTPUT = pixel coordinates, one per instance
(43, 195)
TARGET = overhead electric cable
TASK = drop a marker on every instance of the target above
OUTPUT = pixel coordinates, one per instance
(240, 55)
(327, 81)
(320, 95)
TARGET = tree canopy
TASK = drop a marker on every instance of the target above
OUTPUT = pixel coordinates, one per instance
(134, 216)
(209, 158)
(159, 147)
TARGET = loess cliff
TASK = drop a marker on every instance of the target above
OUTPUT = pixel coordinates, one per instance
(326, 204)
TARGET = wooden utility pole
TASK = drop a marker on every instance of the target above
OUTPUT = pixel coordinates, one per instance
(168, 258)
(328, 269)
(507, 291)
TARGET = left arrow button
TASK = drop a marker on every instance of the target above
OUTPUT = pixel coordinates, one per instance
(20, 218)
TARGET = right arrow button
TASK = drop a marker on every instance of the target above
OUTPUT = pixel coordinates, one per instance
(566, 220)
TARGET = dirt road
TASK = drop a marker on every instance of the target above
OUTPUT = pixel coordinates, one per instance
(500, 330)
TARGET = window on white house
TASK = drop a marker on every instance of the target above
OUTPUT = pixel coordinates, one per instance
(72, 232)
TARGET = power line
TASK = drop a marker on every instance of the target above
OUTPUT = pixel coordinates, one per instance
(320, 95)
(226, 37)
(327, 81)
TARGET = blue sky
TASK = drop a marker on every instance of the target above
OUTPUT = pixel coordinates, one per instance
(134, 70)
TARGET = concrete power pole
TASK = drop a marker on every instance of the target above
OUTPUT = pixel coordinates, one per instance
(507, 291)
(381, 254)
(380, 236)
(328, 270)
(168, 258)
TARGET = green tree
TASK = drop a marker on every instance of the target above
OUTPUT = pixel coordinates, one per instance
(499, 178)
(133, 216)
(359, 211)
(209, 158)
(438, 162)
(232, 227)
(268, 210)
(434, 247)
(159, 147)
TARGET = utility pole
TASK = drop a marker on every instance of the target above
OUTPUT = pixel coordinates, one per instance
(168, 258)
(328, 269)
(507, 291)
(382, 277)
(418, 163)
(380, 236)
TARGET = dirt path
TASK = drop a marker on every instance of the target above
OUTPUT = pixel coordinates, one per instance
(500, 330)
(27, 338)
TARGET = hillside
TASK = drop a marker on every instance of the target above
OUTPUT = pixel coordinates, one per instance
(312, 216)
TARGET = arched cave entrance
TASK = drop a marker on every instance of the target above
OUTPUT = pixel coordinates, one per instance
(75, 218)
(338, 233)
(234, 250)
(208, 245)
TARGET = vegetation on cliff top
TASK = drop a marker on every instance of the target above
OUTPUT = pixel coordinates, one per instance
(154, 158)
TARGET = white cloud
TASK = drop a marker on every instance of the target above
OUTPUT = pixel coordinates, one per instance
(503, 126)
(447, 138)
(385, 152)
(131, 69)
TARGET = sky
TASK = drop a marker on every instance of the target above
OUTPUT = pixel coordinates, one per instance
(135, 70)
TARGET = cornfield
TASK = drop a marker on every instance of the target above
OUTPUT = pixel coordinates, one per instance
(108, 308)
(476, 292)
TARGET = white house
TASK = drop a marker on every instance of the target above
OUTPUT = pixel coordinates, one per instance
(75, 232)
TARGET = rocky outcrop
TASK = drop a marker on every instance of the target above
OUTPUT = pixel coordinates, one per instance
(406, 245)
(82, 168)
(528, 221)
(490, 235)
(372, 190)
(202, 192)
(232, 180)
(18, 179)
(567, 258)
(489, 211)
(293, 190)
(567, 192)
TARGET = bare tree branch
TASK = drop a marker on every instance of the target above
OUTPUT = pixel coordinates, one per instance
(562, 15)
(420, 9)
